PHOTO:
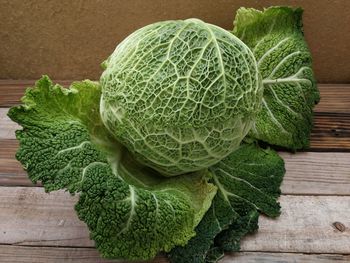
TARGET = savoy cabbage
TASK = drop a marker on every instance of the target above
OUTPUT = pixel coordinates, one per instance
(180, 95)
(156, 149)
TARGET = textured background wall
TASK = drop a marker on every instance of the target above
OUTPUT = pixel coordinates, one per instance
(69, 39)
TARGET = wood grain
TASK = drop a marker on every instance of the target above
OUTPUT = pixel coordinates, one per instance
(260, 257)
(29, 216)
(26, 254)
(331, 132)
(334, 98)
(305, 225)
(11, 171)
(7, 126)
(312, 173)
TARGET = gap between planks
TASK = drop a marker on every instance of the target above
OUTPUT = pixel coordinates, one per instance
(10, 253)
(29, 216)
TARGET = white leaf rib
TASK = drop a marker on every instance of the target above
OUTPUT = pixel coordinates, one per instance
(284, 104)
(243, 33)
(280, 64)
(157, 212)
(285, 80)
(291, 79)
(132, 209)
(268, 52)
(171, 207)
(241, 180)
(226, 193)
(272, 26)
(80, 146)
(68, 165)
(85, 169)
(240, 197)
(248, 51)
(216, 218)
(273, 118)
(221, 188)
(219, 54)
(176, 36)
(258, 44)
(200, 56)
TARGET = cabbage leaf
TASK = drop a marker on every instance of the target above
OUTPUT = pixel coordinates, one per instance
(248, 182)
(132, 212)
(276, 38)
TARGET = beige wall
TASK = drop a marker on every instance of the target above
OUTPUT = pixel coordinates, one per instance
(69, 39)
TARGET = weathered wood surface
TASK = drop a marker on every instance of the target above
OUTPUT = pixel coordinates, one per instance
(334, 98)
(316, 173)
(29, 216)
(25, 254)
(7, 127)
(260, 257)
(331, 132)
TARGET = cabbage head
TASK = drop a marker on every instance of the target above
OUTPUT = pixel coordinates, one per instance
(180, 95)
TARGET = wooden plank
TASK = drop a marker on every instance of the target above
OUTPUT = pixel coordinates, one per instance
(29, 216)
(331, 132)
(307, 225)
(260, 257)
(312, 173)
(334, 97)
(25, 254)
(11, 171)
(316, 173)
(7, 126)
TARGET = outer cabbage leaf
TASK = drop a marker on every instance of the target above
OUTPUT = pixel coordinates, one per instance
(248, 182)
(132, 212)
(284, 61)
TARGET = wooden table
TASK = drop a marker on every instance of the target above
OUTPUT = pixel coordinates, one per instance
(314, 225)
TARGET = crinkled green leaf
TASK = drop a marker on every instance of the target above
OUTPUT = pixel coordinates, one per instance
(248, 182)
(214, 254)
(131, 211)
(217, 218)
(284, 61)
